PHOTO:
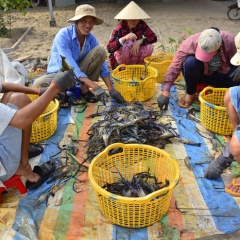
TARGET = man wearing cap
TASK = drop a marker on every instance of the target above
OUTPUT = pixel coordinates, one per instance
(231, 152)
(81, 51)
(203, 58)
(131, 41)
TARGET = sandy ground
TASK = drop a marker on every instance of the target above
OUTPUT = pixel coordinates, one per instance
(168, 20)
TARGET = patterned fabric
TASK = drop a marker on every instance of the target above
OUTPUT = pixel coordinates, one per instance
(142, 30)
(125, 56)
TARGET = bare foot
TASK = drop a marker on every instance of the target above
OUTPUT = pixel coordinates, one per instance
(26, 171)
(235, 187)
(186, 100)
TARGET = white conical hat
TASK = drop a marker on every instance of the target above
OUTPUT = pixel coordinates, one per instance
(236, 58)
(132, 11)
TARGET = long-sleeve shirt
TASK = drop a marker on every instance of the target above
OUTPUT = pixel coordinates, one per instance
(189, 46)
(66, 44)
(142, 31)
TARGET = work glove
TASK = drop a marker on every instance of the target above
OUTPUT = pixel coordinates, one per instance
(65, 80)
(42, 90)
(236, 75)
(114, 94)
(101, 95)
(163, 102)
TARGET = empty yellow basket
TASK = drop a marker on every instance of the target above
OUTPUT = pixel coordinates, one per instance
(213, 113)
(46, 124)
(160, 62)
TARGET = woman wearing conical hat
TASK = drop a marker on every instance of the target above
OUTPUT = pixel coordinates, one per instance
(131, 41)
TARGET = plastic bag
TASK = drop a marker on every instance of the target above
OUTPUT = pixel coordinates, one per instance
(13, 72)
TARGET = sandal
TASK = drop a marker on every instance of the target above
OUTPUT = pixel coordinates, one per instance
(44, 171)
(34, 150)
(89, 97)
(63, 103)
(184, 103)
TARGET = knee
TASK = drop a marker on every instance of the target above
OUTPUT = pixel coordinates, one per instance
(192, 63)
(101, 52)
(235, 148)
(227, 99)
(18, 99)
(43, 81)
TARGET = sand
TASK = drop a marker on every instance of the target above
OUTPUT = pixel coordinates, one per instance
(168, 20)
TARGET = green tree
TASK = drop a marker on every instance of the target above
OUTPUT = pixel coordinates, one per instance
(9, 5)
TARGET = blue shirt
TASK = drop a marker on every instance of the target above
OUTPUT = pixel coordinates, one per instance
(66, 44)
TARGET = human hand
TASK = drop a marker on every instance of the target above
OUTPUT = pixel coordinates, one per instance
(136, 47)
(42, 90)
(101, 95)
(114, 94)
(131, 37)
(65, 80)
(163, 101)
(236, 75)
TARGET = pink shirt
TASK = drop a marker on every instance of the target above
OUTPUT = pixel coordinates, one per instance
(188, 47)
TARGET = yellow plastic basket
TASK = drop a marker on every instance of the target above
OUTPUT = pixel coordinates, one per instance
(160, 62)
(46, 124)
(127, 80)
(213, 114)
(132, 159)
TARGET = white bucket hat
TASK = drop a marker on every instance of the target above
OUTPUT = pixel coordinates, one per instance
(132, 12)
(83, 11)
(235, 60)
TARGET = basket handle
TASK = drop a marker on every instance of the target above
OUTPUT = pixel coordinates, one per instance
(206, 91)
(115, 146)
(118, 68)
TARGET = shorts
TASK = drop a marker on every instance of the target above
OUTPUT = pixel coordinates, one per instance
(10, 149)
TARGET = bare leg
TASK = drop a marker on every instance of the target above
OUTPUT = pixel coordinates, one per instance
(234, 143)
(231, 110)
(21, 100)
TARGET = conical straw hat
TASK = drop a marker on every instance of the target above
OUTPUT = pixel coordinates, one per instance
(131, 12)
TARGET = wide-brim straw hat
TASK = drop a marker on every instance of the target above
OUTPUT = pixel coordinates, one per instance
(83, 11)
(132, 12)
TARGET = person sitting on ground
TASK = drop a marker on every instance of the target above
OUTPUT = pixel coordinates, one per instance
(231, 151)
(81, 51)
(17, 114)
(203, 58)
(131, 41)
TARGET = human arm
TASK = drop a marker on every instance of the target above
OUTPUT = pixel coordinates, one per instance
(149, 36)
(187, 48)
(118, 37)
(66, 44)
(62, 82)
(12, 87)
(114, 94)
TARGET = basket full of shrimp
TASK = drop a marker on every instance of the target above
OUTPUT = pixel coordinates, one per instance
(136, 83)
(133, 183)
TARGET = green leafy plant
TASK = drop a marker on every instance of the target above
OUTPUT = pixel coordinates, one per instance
(3, 28)
(173, 44)
(9, 5)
